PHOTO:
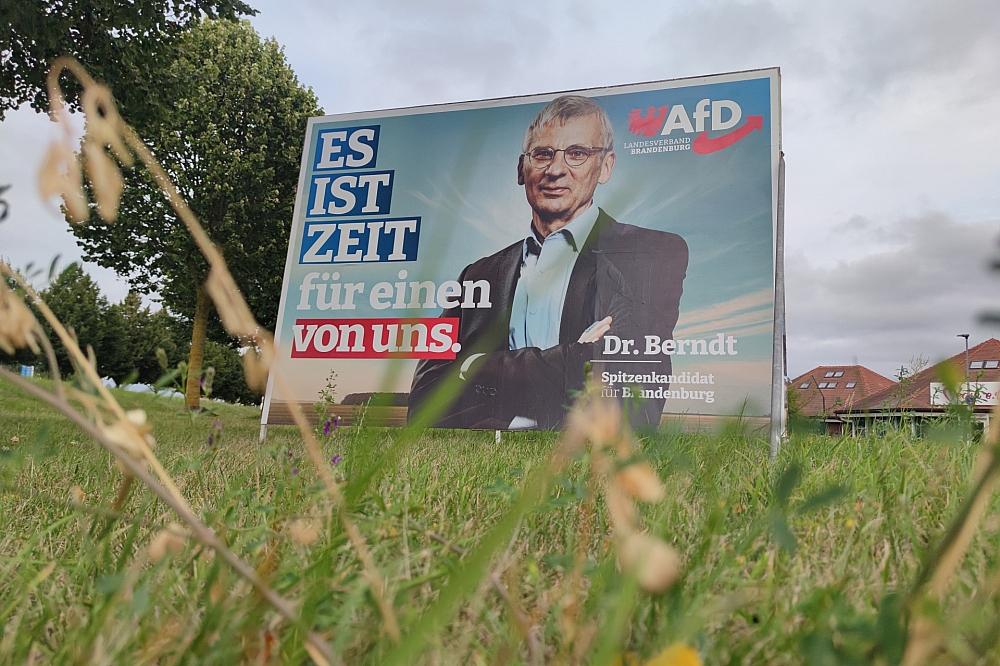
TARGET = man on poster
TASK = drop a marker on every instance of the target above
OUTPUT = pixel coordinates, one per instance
(578, 275)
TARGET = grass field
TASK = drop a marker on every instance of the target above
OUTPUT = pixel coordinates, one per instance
(802, 561)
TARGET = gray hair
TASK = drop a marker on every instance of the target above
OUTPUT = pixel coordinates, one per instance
(566, 108)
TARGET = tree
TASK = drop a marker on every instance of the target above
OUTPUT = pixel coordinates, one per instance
(228, 382)
(229, 136)
(121, 43)
(77, 302)
(143, 332)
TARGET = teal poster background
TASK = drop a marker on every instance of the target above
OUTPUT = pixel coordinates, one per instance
(454, 168)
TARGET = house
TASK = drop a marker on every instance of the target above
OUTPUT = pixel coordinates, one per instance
(923, 396)
(826, 389)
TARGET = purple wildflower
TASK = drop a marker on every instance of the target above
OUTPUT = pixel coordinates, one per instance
(326, 426)
(336, 422)
(216, 433)
(335, 460)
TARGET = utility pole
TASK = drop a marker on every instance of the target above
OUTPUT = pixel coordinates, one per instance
(966, 336)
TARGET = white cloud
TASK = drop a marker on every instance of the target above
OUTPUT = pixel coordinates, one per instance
(908, 298)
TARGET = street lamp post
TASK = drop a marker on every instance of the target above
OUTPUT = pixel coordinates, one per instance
(966, 336)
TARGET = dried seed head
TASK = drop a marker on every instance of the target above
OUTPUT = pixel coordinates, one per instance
(18, 326)
(257, 361)
(593, 419)
(621, 510)
(161, 358)
(136, 417)
(104, 125)
(77, 496)
(105, 178)
(168, 541)
(303, 531)
(655, 564)
(61, 174)
(639, 480)
(132, 434)
(604, 425)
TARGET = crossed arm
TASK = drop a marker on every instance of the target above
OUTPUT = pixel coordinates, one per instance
(495, 387)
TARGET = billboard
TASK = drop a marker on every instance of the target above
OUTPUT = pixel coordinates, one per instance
(510, 248)
(969, 393)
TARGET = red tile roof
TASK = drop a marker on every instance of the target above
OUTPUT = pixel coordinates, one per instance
(916, 390)
(815, 401)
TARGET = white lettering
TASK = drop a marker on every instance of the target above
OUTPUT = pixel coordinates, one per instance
(357, 145)
(348, 240)
(735, 113)
(677, 118)
(328, 148)
(398, 229)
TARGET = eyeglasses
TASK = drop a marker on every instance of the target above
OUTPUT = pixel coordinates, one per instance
(575, 156)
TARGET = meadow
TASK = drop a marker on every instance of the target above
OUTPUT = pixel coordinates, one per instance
(806, 560)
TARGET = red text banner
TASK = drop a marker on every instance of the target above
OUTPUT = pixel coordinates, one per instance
(423, 338)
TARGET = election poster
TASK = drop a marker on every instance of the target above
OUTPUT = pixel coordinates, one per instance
(502, 252)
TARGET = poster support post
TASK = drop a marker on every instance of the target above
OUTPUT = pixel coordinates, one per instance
(778, 351)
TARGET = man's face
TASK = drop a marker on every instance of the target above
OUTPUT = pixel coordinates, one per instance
(557, 192)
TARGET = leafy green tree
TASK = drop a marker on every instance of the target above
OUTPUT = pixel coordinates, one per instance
(77, 302)
(115, 357)
(228, 382)
(229, 136)
(122, 43)
(143, 332)
(158, 333)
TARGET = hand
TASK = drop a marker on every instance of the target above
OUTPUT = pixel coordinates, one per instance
(596, 330)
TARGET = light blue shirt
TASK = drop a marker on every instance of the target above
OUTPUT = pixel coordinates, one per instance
(540, 294)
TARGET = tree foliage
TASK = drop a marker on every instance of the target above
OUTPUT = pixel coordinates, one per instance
(130, 340)
(121, 43)
(228, 382)
(77, 302)
(229, 135)
(231, 140)
(143, 332)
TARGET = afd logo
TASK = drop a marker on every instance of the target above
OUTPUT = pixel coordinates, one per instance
(720, 115)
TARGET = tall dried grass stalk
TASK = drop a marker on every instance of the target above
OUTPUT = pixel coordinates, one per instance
(126, 434)
(925, 635)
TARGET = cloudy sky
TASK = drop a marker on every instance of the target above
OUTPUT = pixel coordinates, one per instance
(890, 129)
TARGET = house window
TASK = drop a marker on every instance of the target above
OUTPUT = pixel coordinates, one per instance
(829, 374)
(823, 385)
(804, 385)
(989, 365)
(975, 365)
(851, 384)
(838, 373)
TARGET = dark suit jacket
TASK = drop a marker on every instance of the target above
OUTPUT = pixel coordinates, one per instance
(631, 273)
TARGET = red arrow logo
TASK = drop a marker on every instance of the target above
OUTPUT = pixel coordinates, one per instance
(704, 144)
